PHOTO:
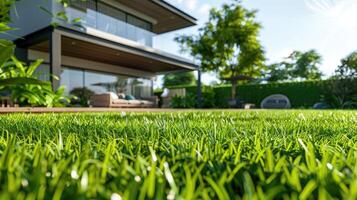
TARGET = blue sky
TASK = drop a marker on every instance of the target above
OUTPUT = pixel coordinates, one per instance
(329, 26)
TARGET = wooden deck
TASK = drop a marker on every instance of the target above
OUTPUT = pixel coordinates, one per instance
(81, 110)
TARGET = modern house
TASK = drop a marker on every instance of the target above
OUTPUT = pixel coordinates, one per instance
(113, 45)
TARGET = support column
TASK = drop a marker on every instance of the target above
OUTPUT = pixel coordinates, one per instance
(199, 88)
(55, 59)
(22, 54)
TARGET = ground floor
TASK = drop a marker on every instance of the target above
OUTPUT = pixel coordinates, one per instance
(88, 64)
(85, 81)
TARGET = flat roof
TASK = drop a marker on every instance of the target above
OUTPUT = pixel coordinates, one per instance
(175, 9)
(168, 17)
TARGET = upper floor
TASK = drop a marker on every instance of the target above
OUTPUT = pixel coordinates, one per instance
(136, 22)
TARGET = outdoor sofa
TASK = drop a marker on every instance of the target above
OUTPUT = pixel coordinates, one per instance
(111, 100)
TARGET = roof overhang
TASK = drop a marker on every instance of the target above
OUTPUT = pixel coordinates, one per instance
(168, 17)
(89, 47)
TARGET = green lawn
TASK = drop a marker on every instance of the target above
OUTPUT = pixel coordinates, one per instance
(184, 155)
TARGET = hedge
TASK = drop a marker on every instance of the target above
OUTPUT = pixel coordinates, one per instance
(301, 94)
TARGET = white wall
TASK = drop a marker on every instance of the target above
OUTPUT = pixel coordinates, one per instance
(27, 17)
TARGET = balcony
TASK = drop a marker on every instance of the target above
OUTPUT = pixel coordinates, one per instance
(93, 21)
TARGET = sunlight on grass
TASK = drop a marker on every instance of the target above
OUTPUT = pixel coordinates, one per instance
(185, 155)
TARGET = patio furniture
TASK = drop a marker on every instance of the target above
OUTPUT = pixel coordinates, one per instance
(276, 101)
(111, 100)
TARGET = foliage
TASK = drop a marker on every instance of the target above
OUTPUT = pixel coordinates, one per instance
(183, 155)
(277, 72)
(19, 79)
(20, 82)
(5, 6)
(189, 101)
(228, 43)
(179, 78)
(305, 65)
(26, 89)
(298, 66)
(344, 87)
(82, 96)
(343, 93)
(301, 94)
(348, 67)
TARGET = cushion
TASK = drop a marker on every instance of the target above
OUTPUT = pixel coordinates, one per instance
(120, 101)
(121, 95)
(113, 96)
(135, 102)
(129, 97)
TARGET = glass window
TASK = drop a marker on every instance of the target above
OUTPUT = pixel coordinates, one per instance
(92, 82)
(139, 23)
(99, 82)
(43, 72)
(111, 20)
(72, 79)
(111, 11)
(140, 88)
(84, 10)
(83, 5)
(107, 18)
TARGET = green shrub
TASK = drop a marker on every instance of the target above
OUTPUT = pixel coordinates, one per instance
(21, 82)
(189, 101)
(342, 93)
(301, 94)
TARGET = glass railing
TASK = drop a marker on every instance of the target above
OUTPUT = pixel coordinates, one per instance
(116, 27)
(105, 23)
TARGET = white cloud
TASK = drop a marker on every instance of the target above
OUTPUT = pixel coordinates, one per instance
(204, 9)
(189, 4)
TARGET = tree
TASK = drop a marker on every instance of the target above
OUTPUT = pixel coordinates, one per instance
(228, 44)
(348, 67)
(179, 78)
(277, 72)
(298, 65)
(343, 85)
(305, 65)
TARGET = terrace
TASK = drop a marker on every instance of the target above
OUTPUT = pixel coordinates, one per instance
(104, 19)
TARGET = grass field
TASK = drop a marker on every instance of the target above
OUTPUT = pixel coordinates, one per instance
(183, 155)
